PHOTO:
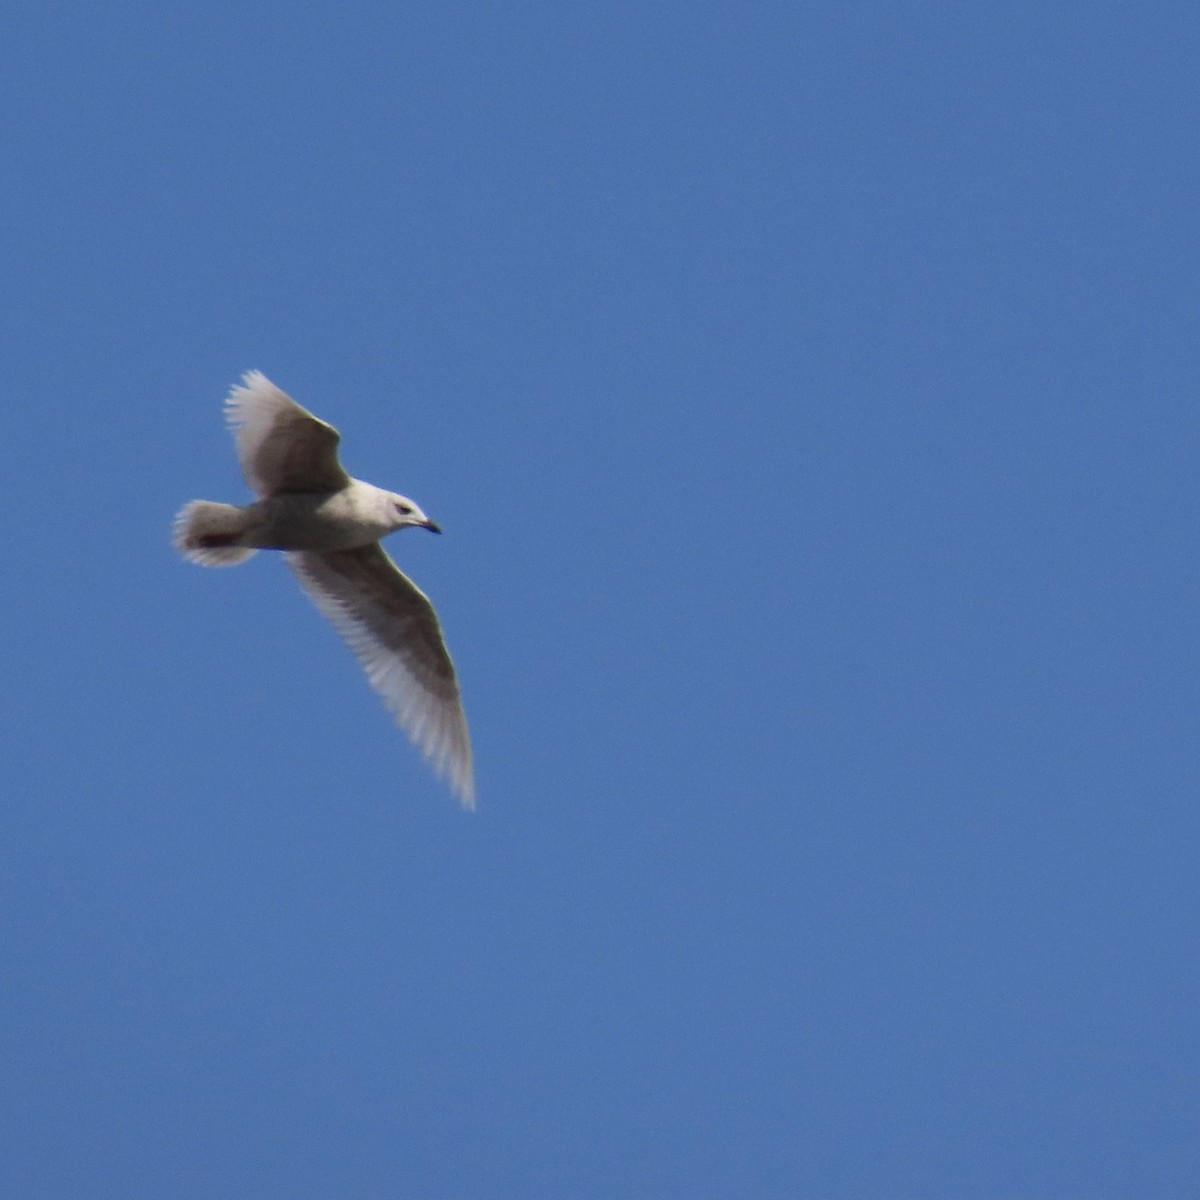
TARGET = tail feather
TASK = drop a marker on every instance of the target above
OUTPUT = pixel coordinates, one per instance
(206, 533)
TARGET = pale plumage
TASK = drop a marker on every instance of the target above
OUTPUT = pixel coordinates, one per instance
(329, 526)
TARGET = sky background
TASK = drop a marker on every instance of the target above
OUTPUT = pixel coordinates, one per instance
(808, 395)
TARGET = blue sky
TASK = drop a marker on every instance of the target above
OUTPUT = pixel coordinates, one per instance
(807, 392)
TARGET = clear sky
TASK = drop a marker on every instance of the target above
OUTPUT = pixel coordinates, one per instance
(808, 393)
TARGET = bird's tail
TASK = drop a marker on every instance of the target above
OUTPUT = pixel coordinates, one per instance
(206, 533)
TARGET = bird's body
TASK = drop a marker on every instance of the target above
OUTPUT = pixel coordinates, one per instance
(328, 525)
(356, 515)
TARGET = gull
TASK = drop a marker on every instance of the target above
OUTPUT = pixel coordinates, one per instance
(328, 526)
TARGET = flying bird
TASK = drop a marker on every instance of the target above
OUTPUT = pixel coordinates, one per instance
(328, 526)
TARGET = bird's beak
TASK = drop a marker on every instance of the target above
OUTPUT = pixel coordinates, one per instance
(432, 526)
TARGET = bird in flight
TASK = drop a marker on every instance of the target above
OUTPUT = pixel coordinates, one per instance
(328, 526)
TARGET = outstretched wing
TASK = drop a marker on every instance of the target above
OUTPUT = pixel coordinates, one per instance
(281, 446)
(390, 625)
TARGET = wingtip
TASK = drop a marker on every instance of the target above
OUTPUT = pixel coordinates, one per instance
(244, 397)
(252, 382)
(462, 770)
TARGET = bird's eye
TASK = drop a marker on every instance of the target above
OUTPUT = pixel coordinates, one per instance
(404, 510)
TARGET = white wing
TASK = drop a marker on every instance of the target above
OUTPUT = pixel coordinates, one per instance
(281, 446)
(390, 625)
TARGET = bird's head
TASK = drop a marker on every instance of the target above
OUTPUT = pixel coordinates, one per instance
(404, 513)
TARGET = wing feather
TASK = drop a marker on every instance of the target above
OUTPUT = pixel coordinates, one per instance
(281, 446)
(390, 625)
